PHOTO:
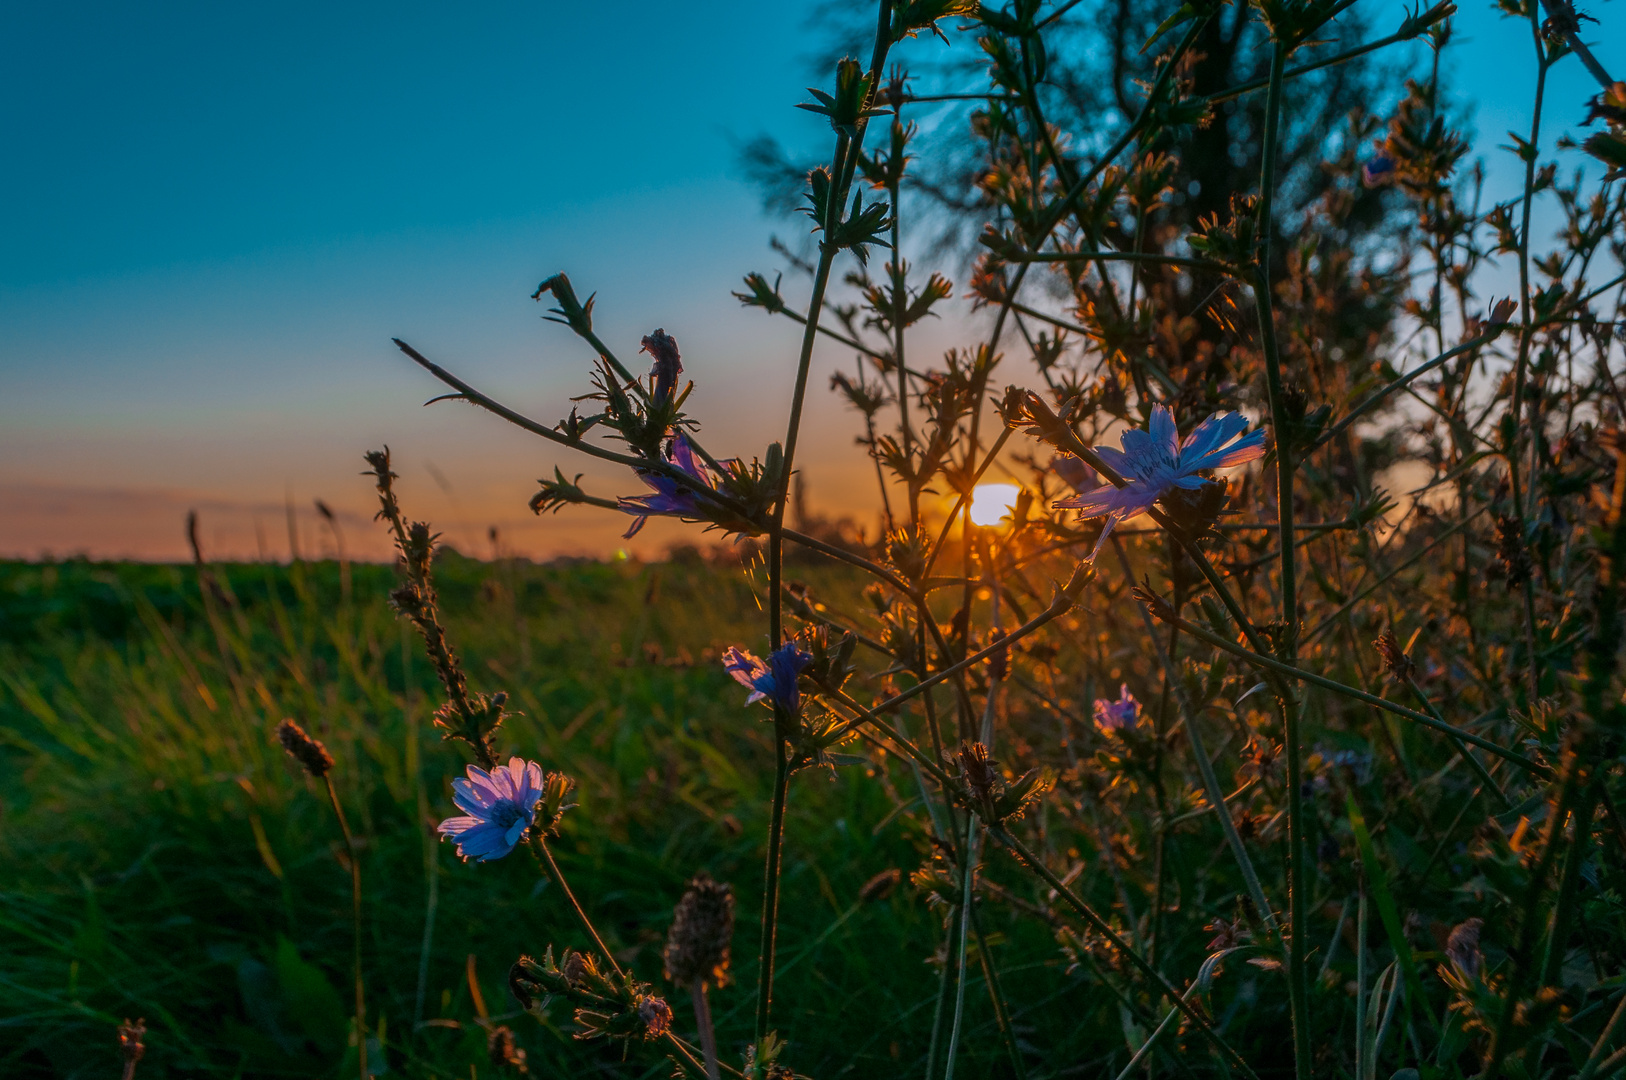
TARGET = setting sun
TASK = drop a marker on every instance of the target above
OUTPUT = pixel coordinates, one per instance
(991, 502)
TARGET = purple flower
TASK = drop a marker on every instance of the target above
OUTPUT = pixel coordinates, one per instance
(1120, 715)
(499, 805)
(1156, 461)
(1379, 171)
(672, 496)
(1075, 471)
(772, 680)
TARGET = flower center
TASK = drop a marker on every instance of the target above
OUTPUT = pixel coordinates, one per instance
(504, 813)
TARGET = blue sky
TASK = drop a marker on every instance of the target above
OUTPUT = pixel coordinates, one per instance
(215, 217)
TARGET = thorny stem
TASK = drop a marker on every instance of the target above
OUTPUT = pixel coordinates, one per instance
(355, 914)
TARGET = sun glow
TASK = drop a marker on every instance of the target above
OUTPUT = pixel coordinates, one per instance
(991, 502)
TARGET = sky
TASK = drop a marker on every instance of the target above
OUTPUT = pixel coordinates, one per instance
(214, 218)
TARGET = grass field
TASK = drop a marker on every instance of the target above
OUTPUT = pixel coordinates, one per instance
(167, 860)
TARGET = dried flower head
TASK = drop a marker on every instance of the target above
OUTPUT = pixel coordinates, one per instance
(1462, 947)
(1512, 561)
(503, 1052)
(656, 1015)
(668, 365)
(307, 751)
(1395, 660)
(131, 1046)
(697, 946)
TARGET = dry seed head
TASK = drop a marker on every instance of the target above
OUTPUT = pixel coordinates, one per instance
(697, 947)
(1395, 660)
(307, 751)
(502, 1051)
(130, 1045)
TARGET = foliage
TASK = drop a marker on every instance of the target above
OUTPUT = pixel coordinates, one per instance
(1266, 773)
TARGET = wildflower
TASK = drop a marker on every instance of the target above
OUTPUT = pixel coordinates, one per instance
(500, 806)
(1075, 471)
(668, 365)
(672, 496)
(697, 946)
(1379, 171)
(1120, 715)
(772, 680)
(1156, 462)
(307, 751)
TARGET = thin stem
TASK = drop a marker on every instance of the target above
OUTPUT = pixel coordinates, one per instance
(355, 914)
(540, 845)
(965, 926)
(1521, 365)
(1287, 642)
(1102, 927)
(1270, 664)
(770, 889)
(708, 1036)
(1211, 784)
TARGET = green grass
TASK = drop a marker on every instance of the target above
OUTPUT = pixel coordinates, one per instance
(167, 860)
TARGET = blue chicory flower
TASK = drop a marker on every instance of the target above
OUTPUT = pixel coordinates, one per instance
(1379, 171)
(672, 496)
(1156, 461)
(499, 806)
(1120, 715)
(772, 680)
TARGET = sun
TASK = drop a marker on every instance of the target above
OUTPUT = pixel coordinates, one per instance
(991, 502)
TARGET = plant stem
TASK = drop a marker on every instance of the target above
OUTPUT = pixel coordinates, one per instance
(770, 889)
(546, 854)
(708, 1036)
(1287, 642)
(1102, 927)
(970, 855)
(355, 913)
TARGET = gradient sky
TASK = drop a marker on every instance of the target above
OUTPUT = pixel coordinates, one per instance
(214, 217)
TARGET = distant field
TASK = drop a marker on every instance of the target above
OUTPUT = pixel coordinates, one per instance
(165, 859)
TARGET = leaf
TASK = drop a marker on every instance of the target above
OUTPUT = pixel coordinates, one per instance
(312, 1003)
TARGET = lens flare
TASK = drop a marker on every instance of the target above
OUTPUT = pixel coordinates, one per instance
(991, 502)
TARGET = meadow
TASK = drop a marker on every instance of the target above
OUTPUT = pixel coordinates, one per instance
(1269, 722)
(169, 861)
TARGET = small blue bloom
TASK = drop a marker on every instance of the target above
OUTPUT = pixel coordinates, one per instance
(773, 680)
(499, 806)
(1156, 461)
(1120, 715)
(672, 496)
(1379, 171)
